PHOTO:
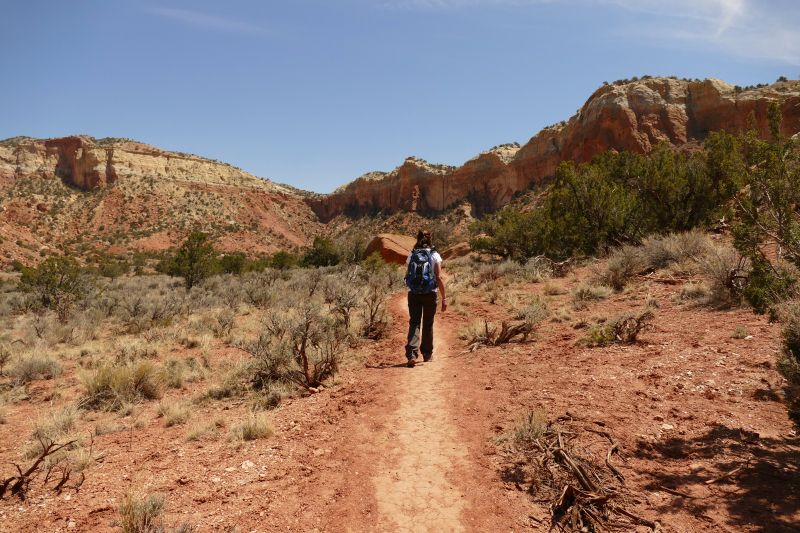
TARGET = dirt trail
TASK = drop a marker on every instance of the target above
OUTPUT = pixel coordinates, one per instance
(414, 488)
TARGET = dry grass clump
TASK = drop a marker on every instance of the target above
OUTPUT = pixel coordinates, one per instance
(132, 348)
(727, 273)
(740, 332)
(692, 291)
(113, 386)
(140, 514)
(33, 368)
(623, 265)
(662, 251)
(586, 292)
(553, 289)
(208, 429)
(176, 372)
(174, 414)
(253, 427)
(56, 424)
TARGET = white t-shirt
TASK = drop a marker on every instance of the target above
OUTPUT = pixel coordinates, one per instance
(436, 259)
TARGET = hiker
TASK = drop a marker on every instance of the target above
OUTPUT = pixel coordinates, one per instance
(423, 283)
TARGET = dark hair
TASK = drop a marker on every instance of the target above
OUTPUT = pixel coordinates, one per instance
(423, 239)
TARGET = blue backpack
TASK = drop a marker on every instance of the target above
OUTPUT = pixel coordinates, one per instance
(420, 277)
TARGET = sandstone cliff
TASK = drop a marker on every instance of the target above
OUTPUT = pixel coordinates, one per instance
(631, 117)
(84, 162)
(83, 195)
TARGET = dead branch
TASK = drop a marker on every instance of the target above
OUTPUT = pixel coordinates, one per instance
(728, 474)
(19, 484)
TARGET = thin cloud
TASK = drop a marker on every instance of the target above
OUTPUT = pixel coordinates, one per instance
(755, 29)
(743, 28)
(206, 21)
(456, 4)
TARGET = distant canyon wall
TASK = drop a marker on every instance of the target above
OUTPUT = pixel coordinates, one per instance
(632, 117)
(82, 162)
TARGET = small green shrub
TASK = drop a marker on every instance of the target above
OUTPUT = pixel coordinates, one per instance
(740, 332)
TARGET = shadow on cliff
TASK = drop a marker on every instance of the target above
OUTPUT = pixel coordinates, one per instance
(761, 496)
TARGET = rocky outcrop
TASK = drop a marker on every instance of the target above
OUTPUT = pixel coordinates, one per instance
(631, 117)
(393, 248)
(454, 252)
(85, 163)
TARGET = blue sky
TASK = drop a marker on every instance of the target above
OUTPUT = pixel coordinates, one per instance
(315, 93)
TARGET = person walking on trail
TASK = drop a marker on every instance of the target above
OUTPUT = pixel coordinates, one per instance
(424, 282)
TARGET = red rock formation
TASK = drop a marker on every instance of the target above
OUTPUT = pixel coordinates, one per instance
(459, 250)
(631, 117)
(393, 248)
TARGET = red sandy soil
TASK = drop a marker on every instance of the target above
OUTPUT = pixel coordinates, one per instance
(396, 449)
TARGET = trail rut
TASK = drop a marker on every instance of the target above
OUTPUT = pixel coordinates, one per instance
(413, 483)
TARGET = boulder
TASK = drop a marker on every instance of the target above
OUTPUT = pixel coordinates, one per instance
(459, 250)
(393, 248)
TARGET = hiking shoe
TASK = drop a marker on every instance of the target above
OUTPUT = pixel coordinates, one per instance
(412, 362)
(427, 358)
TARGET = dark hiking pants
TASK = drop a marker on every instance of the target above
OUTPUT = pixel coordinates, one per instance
(421, 309)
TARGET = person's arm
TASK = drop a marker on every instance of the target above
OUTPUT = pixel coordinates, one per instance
(437, 270)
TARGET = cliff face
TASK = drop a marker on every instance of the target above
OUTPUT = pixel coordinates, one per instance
(88, 165)
(631, 117)
(137, 197)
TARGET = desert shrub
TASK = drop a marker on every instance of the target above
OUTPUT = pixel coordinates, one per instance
(56, 424)
(174, 414)
(176, 372)
(766, 226)
(585, 293)
(692, 291)
(494, 335)
(622, 265)
(139, 514)
(58, 283)
(253, 427)
(622, 327)
(553, 289)
(323, 253)
(198, 431)
(33, 368)
(233, 263)
(194, 261)
(618, 199)
(789, 358)
(662, 251)
(139, 310)
(111, 386)
(536, 270)
(342, 297)
(130, 349)
(727, 273)
(740, 332)
(375, 317)
(223, 324)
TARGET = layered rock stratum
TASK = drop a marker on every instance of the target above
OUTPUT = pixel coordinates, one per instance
(632, 117)
(117, 195)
